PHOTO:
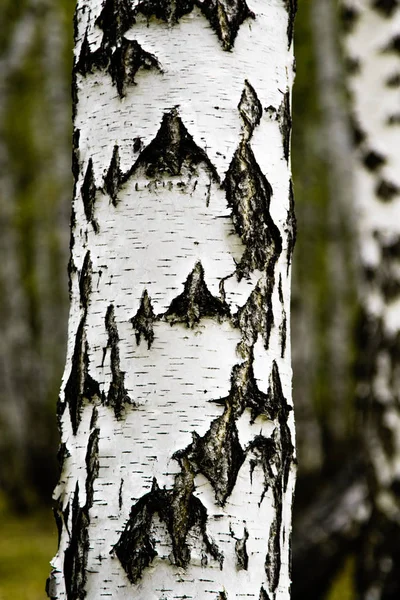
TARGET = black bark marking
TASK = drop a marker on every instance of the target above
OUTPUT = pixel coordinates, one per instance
(113, 179)
(291, 228)
(248, 194)
(114, 20)
(51, 585)
(120, 494)
(88, 192)
(386, 191)
(218, 455)
(76, 554)
(172, 149)
(263, 594)
(117, 395)
(126, 61)
(273, 559)
(250, 110)
(393, 81)
(386, 7)
(85, 282)
(348, 18)
(89, 61)
(256, 317)
(180, 510)
(195, 302)
(373, 160)
(75, 153)
(80, 384)
(242, 558)
(278, 401)
(358, 135)
(143, 321)
(222, 596)
(285, 124)
(224, 16)
(283, 325)
(291, 7)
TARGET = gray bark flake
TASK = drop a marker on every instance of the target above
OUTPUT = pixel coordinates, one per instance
(250, 109)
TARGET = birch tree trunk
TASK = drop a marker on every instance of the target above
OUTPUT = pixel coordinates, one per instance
(372, 48)
(177, 451)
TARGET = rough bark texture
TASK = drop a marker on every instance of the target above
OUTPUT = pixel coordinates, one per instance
(371, 45)
(178, 382)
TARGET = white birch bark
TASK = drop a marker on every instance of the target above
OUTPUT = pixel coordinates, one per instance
(372, 49)
(175, 411)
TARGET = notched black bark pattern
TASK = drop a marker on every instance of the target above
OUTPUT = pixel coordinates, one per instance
(386, 7)
(273, 560)
(278, 401)
(352, 65)
(248, 194)
(358, 135)
(224, 16)
(250, 109)
(75, 153)
(242, 558)
(88, 193)
(114, 20)
(80, 384)
(172, 149)
(283, 325)
(285, 124)
(195, 302)
(386, 191)
(393, 119)
(75, 555)
(117, 395)
(263, 594)
(373, 160)
(218, 455)
(180, 510)
(256, 317)
(143, 321)
(291, 227)
(85, 282)
(126, 61)
(394, 45)
(114, 176)
(393, 81)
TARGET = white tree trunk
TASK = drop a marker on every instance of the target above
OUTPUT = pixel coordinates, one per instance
(175, 412)
(372, 56)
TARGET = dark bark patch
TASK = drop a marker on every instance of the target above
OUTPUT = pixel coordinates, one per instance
(256, 317)
(113, 179)
(248, 194)
(352, 65)
(92, 465)
(218, 455)
(250, 109)
(394, 45)
(126, 61)
(180, 510)
(85, 282)
(393, 81)
(76, 554)
(348, 18)
(143, 321)
(195, 302)
(393, 119)
(75, 153)
(88, 193)
(242, 558)
(117, 395)
(114, 20)
(291, 7)
(291, 227)
(386, 7)
(172, 149)
(285, 124)
(358, 135)
(224, 16)
(263, 594)
(278, 401)
(89, 61)
(386, 191)
(373, 160)
(273, 560)
(80, 384)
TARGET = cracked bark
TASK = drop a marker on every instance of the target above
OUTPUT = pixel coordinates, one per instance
(179, 308)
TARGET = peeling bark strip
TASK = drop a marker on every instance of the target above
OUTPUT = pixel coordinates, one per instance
(377, 36)
(178, 461)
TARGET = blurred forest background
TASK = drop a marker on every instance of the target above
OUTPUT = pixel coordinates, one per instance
(36, 40)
